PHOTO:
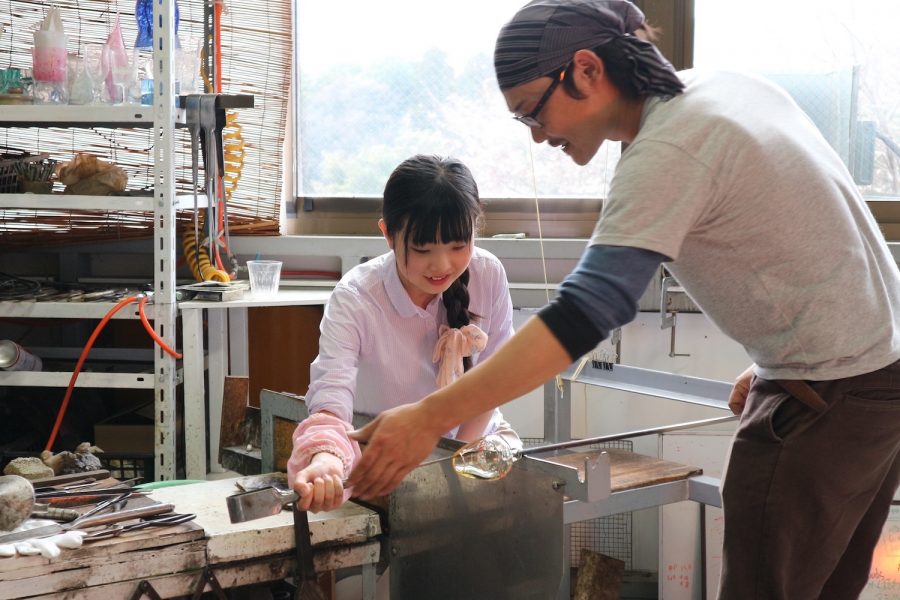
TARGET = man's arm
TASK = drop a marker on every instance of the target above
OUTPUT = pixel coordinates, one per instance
(399, 439)
(601, 294)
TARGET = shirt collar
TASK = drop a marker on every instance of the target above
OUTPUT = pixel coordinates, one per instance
(398, 296)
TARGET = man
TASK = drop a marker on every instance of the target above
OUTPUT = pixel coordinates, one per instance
(726, 181)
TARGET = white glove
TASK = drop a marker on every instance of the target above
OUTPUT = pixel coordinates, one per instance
(48, 547)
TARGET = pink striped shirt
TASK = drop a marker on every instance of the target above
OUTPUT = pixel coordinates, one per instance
(375, 348)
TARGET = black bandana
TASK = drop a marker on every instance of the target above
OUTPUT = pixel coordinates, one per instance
(542, 37)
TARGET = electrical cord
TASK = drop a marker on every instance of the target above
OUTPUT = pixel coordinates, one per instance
(12, 286)
(162, 344)
(60, 415)
(84, 353)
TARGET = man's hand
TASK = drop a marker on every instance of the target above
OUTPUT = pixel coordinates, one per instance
(399, 440)
(739, 392)
(319, 485)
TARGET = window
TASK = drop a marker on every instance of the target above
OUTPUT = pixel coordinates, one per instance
(837, 58)
(380, 81)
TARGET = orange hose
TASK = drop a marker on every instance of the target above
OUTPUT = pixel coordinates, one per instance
(152, 332)
(84, 353)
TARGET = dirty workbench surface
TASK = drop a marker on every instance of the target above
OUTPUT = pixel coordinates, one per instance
(175, 560)
(227, 541)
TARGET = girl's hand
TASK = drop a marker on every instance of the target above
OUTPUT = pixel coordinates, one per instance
(320, 485)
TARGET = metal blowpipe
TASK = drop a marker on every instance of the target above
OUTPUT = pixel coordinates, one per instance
(491, 457)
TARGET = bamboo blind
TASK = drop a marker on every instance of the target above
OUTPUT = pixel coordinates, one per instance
(256, 53)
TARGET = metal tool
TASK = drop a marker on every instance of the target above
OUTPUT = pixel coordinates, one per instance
(268, 501)
(307, 585)
(45, 511)
(165, 520)
(84, 523)
(259, 502)
(256, 504)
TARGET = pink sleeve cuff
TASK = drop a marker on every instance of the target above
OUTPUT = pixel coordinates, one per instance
(321, 432)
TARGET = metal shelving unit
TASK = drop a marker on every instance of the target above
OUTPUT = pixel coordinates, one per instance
(162, 117)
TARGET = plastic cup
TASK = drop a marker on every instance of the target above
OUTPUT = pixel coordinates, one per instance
(264, 277)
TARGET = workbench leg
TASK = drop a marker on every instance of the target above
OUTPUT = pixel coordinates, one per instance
(194, 394)
(565, 583)
(368, 582)
(238, 333)
(218, 369)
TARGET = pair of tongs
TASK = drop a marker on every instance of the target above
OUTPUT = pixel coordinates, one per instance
(165, 520)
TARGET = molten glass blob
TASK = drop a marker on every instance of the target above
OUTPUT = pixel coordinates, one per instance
(489, 457)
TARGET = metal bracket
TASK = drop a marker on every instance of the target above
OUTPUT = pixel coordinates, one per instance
(208, 577)
(669, 284)
(144, 588)
(594, 486)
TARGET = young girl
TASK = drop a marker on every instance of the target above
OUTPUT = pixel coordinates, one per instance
(403, 324)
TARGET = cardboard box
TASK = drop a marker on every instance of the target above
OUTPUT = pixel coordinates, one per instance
(127, 432)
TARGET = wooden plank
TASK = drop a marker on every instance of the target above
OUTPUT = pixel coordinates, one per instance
(629, 470)
(228, 542)
(282, 342)
(21, 567)
(599, 576)
(235, 394)
(102, 570)
(232, 575)
(282, 442)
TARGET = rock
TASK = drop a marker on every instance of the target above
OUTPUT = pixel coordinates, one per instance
(54, 461)
(29, 467)
(79, 462)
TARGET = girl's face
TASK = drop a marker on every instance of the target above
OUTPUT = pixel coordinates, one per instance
(428, 270)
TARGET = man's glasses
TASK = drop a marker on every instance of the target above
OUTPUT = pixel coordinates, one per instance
(531, 118)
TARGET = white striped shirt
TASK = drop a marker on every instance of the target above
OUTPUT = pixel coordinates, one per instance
(375, 345)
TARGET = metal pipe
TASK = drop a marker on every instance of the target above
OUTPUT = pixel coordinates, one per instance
(621, 436)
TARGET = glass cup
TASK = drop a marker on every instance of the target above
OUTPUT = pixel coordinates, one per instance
(264, 277)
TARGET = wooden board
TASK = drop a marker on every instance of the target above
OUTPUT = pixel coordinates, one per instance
(629, 470)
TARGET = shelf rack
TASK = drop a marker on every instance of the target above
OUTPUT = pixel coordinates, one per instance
(162, 117)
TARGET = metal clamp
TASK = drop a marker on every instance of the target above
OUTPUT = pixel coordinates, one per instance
(594, 486)
(669, 284)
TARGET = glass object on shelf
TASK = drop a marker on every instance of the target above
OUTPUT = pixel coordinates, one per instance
(490, 457)
(118, 71)
(187, 66)
(11, 81)
(142, 92)
(96, 66)
(80, 85)
(143, 14)
(264, 277)
(49, 61)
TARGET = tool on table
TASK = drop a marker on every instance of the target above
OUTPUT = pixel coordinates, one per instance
(256, 504)
(115, 502)
(84, 523)
(263, 496)
(71, 478)
(54, 513)
(267, 501)
(165, 520)
(307, 585)
(101, 491)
